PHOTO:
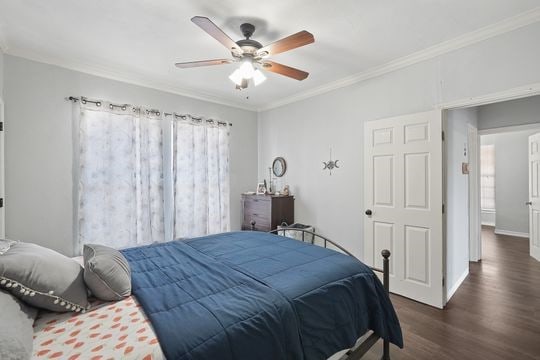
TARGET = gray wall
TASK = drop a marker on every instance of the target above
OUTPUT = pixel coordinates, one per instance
(511, 179)
(39, 203)
(457, 203)
(302, 132)
(509, 113)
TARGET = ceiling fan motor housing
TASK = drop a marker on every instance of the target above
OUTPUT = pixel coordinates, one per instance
(247, 29)
(247, 45)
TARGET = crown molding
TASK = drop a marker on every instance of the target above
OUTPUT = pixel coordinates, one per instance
(507, 25)
(128, 77)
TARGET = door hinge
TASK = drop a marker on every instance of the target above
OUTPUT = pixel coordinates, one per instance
(443, 208)
(443, 282)
(2, 126)
(442, 135)
(1, 202)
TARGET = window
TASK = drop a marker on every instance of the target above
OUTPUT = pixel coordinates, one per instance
(487, 174)
(124, 178)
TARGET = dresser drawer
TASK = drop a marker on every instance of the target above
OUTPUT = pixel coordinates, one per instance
(260, 208)
(259, 219)
(257, 227)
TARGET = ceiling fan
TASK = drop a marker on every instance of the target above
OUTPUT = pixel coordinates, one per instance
(251, 54)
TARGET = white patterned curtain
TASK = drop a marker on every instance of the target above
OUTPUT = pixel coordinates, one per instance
(120, 178)
(201, 177)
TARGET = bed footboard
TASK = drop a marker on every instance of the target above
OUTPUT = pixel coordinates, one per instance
(363, 347)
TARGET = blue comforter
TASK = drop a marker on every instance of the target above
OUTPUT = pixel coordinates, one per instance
(252, 295)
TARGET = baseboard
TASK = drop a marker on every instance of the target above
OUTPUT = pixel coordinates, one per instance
(511, 233)
(456, 286)
(488, 223)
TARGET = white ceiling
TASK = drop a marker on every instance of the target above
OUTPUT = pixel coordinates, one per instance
(140, 40)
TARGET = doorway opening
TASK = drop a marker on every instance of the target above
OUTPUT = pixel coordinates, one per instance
(489, 180)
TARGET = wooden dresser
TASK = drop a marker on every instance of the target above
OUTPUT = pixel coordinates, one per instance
(266, 211)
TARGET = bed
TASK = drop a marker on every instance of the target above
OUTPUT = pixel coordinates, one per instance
(239, 295)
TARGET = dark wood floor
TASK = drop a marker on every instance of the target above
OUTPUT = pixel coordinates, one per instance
(494, 315)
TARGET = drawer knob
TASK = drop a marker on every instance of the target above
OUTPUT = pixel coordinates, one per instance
(252, 224)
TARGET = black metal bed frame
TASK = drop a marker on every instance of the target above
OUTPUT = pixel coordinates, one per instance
(362, 348)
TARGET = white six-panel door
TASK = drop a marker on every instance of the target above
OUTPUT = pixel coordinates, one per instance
(534, 195)
(403, 190)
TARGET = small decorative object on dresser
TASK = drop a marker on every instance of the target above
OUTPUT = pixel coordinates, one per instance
(261, 188)
(266, 212)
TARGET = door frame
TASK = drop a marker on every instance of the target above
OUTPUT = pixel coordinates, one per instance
(475, 210)
(477, 242)
(468, 102)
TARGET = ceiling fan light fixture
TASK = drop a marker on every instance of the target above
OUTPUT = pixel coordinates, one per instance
(236, 77)
(246, 69)
(258, 77)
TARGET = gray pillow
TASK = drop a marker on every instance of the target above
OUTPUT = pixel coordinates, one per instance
(15, 328)
(42, 277)
(106, 272)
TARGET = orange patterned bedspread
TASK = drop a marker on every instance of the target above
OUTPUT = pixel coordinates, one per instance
(109, 330)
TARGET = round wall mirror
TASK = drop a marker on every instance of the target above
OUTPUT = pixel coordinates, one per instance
(279, 166)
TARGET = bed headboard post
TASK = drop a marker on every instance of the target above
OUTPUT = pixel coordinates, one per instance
(386, 269)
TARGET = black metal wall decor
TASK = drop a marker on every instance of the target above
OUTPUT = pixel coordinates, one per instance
(330, 164)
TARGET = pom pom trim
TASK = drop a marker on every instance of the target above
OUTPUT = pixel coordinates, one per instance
(26, 291)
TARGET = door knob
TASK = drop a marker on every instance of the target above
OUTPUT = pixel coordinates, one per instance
(369, 212)
(528, 203)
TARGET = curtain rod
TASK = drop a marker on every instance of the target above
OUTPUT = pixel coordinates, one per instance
(153, 111)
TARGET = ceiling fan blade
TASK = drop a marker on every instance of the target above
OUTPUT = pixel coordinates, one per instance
(214, 31)
(290, 42)
(190, 64)
(284, 70)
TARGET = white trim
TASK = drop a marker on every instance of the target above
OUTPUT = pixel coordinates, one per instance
(456, 286)
(505, 129)
(473, 37)
(511, 233)
(475, 217)
(510, 94)
(444, 152)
